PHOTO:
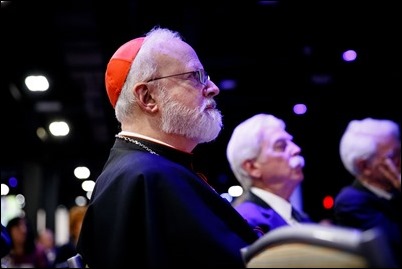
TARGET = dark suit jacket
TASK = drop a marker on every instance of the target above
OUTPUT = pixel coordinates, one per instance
(260, 214)
(357, 207)
(152, 211)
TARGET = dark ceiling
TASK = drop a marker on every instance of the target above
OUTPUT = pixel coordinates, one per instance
(279, 52)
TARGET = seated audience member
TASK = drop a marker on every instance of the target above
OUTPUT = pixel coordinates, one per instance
(150, 207)
(370, 150)
(24, 252)
(268, 165)
(46, 240)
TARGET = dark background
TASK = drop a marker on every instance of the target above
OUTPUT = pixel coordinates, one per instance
(280, 53)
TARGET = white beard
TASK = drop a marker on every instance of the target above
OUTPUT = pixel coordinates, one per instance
(198, 124)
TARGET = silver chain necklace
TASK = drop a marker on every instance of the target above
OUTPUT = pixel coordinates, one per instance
(138, 143)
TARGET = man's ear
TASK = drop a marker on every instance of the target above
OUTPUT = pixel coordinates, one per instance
(252, 168)
(144, 97)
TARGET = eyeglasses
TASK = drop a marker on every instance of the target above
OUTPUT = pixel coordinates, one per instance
(201, 76)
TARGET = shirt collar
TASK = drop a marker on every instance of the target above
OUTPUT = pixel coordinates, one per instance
(277, 203)
(377, 191)
(127, 133)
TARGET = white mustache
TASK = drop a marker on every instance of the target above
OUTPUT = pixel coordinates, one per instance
(209, 103)
(296, 161)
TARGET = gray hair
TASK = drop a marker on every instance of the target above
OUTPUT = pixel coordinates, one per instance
(143, 67)
(245, 143)
(360, 140)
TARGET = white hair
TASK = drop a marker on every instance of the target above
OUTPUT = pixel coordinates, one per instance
(143, 67)
(360, 140)
(245, 143)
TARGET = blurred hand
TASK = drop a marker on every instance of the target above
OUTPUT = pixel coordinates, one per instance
(390, 172)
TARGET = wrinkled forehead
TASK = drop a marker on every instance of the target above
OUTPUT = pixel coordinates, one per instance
(274, 134)
(177, 53)
(387, 143)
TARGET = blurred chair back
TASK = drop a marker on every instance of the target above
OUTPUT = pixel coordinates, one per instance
(75, 262)
(319, 246)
